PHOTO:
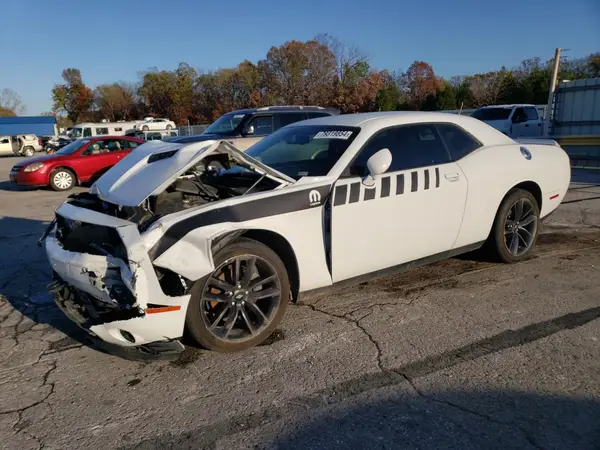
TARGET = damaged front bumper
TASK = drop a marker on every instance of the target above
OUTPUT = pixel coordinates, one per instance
(119, 300)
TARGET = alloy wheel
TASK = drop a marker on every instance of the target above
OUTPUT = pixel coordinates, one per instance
(520, 227)
(240, 298)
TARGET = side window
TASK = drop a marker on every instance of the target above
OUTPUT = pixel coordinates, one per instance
(531, 113)
(109, 145)
(4, 140)
(118, 129)
(263, 125)
(459, 142)
(411, 146)
(283, 119)
(101, 131)
(128, 145)
(519, 116)
(314, 115)
(87, 132)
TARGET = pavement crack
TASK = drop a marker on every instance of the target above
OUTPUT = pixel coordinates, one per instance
(465, 410)
(357, 323)
(45, 376)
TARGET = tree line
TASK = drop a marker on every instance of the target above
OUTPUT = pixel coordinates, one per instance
(323, 71)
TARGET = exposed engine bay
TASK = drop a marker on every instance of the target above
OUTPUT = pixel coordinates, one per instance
(216, 177)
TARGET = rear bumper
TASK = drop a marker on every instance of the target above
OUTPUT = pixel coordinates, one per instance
(114, 300)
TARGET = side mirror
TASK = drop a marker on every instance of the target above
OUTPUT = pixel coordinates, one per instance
(249, 130)
(377, 164)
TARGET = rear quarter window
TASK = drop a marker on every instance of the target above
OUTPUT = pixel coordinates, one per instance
(458, 141)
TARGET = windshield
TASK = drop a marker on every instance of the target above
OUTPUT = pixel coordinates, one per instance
(225, 124)
(492, 113)
(301, 151)
(76, 133)
(71, 148)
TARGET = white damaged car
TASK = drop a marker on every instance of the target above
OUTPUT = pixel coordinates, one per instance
(210, 240)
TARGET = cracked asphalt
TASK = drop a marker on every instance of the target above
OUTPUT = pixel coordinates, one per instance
(459, 354)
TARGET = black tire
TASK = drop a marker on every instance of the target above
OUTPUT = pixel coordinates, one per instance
(63, 174)
(169, 127)
(145, 128)
(28, 151)
(196, 326)
(498, 243)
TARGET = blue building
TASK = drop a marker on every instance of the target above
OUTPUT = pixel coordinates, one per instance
(38, 125)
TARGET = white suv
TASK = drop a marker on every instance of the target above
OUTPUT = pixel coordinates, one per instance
(513, 120)
(22, 144)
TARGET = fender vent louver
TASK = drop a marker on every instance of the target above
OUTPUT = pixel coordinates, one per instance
(158, 156)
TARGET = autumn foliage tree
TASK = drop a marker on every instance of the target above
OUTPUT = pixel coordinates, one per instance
(419, 82)
(73, 97)
(10, 103)
(322, 71)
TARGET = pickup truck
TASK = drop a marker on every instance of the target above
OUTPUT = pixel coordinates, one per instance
(513, 120)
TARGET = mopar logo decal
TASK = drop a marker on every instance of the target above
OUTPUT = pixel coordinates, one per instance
(526, 153)
(314, 197)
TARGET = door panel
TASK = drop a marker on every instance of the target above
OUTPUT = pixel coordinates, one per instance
(406, 216)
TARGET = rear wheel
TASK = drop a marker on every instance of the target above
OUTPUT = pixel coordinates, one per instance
(515, 228)
(145, 128)
(62, 180)
(239, 305)
(28, 151)
(169, 127)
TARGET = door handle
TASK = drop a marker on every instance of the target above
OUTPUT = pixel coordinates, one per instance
(452, 176)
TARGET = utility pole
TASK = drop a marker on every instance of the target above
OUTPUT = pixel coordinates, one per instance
(549, 112)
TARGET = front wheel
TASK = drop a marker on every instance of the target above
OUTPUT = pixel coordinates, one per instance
(62, 180)
(145, 128)
(169, 127)
(239, 305)
(515, 227)
(28, 151)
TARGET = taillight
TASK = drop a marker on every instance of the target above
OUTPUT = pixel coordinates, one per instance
(40, 142)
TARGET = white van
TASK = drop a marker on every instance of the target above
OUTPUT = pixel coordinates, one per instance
(90, 129)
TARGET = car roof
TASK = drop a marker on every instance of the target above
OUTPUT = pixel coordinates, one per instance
(284, 108)
(375, 121)
(507, 106)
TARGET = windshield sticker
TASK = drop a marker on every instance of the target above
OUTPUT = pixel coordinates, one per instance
(333, 135)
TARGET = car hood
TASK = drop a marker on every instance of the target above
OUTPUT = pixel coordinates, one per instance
(41, 159)
(153, 166)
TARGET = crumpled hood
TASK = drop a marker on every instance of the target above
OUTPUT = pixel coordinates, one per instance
(153, 166)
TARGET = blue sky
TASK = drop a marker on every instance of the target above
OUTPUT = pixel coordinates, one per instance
(113, 40)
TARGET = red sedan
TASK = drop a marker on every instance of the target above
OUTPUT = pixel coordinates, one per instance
(81, 161)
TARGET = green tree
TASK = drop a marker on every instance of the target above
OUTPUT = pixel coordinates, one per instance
(73, 97)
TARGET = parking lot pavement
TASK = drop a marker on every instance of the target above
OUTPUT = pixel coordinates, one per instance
(459, 354)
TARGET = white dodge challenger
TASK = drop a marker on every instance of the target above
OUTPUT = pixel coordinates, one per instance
(205, 239)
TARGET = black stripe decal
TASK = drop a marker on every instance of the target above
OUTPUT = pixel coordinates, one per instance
(400, 184)
(385, 187)
(341, 192)
(414, 181)
(437, 177)
(354, 192)
(263, 207)
(426, 179)
(370, 193)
